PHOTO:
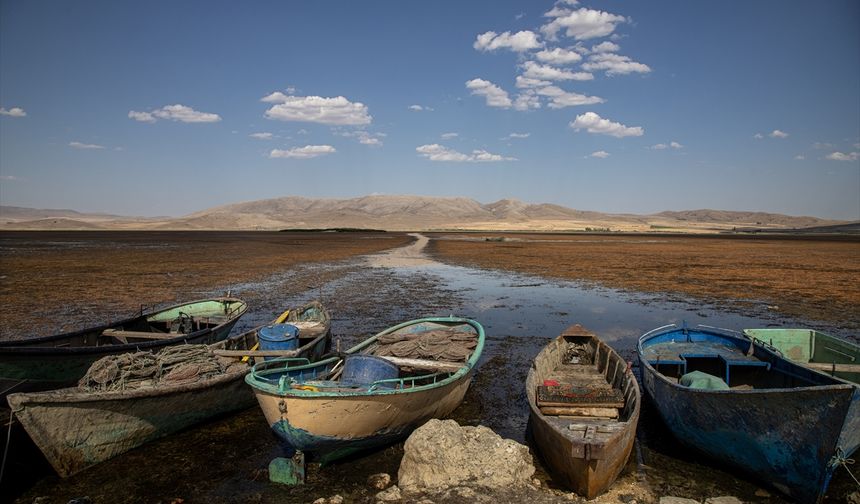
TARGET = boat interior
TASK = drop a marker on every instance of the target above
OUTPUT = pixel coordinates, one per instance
(734, 361)
(584, 388)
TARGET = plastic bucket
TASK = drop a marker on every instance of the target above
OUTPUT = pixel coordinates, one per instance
(278, 337)
(365, 369)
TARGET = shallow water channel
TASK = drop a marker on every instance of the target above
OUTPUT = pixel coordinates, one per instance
(225, 460)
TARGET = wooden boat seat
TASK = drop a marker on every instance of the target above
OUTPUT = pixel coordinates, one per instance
(679, 354)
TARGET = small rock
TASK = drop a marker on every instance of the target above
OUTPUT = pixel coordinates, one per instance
(379, 481)
(725, 499)
(425, 501)
(321, 500)
(335, 499)
(81, 500)
(390, 495)
(465, 492)
(853, 498)
(536, 482)
(677, 500)
(761, 492)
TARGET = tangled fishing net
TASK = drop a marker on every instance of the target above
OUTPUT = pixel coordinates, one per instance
(451, 344)
(175, 365)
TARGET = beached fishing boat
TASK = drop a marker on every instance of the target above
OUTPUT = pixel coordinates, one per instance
(584, 402)
(745, 405)
(813, 349)
(60, 360)
(112, 412)
(380, 391)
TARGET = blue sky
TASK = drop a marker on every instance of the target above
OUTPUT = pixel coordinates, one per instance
(166, 108)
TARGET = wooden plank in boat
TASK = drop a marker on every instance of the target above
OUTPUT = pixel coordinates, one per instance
(577, 411)
(569, 395)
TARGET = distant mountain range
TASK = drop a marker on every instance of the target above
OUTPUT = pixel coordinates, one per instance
(418, 213)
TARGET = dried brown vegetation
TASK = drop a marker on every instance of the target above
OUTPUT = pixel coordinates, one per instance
(810, 278)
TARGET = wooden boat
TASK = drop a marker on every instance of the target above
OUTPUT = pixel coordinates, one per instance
(76, 429)
(317, 411)
(584, 403)
(773, 419)
(813, 349)
(60, 360)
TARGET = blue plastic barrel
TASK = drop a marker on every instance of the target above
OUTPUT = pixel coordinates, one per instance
(278, 337)
(359, 369)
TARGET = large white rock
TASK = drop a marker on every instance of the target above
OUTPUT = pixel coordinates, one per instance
(442, 454)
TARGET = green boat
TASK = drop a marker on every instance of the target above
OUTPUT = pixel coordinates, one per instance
(813, 349)
(60, 360)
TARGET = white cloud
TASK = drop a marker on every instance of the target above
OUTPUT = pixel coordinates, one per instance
(448, 136)
(758, 136)
(824, 145)
(614, 64)
(659, 146)
(582, 24)
(777, 134)
(675, 145)
(840, 156)
(526, 82)
(13, 112)
(526, 100)
(419, 108)
(800, 157)
(276, 97)
(534, 70)
(364, 137)
(519, 42)
(262, 136)
(306, 152)
(560, 98)
(79, 145)
(593, 123)
(558, 56)
(599, 154)
(316, 109)
(519, 135)
(175, 112)
(436, 152)
(606, 46)
(496, 96)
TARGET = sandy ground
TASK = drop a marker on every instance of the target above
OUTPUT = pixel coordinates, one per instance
(813, 279)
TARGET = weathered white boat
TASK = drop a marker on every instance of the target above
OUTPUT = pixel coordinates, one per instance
(76, 428)
(585, 404)
(371, 397)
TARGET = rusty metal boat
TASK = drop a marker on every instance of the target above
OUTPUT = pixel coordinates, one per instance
(745, 405)
(78, 427)
(585, 405)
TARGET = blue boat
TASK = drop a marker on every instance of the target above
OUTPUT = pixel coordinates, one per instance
(743, 404)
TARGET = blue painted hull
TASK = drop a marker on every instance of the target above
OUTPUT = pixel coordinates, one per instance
(785, 436)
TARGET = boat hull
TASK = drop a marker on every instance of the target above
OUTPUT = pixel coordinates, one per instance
(587, 468)
(787, 437)
(329, 428)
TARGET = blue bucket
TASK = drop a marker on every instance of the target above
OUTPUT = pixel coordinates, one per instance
(362, 369)
(278, 337)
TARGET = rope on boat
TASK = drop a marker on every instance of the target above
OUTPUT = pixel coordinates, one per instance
(841, 459)
(6, 450)
(450, 344)
(176, 365)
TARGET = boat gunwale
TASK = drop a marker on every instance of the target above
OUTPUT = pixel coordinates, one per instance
(266, 387)
(727, 333)
(29, 346)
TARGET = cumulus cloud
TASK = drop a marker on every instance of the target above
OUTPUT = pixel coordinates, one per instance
(519, 135)
(519, 42)
(527, 82)
(448, 136)
(419, 108)
(306, 152)
(661, 146)
(841, 156)
(262, 136)
(177, 112)
(364, 137)
(602, 154)
(758, 136)
(85, 146)
(526, 100)
(560, 98)
(495, 96)
(675, 145)
(614, 64)
(534, 70)
(605, 47)
(436, 152)
(335, 111)
(558, 56)
(777, 134)
(13, 112)
(582, 24)
(800, 157)
(593, 123)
